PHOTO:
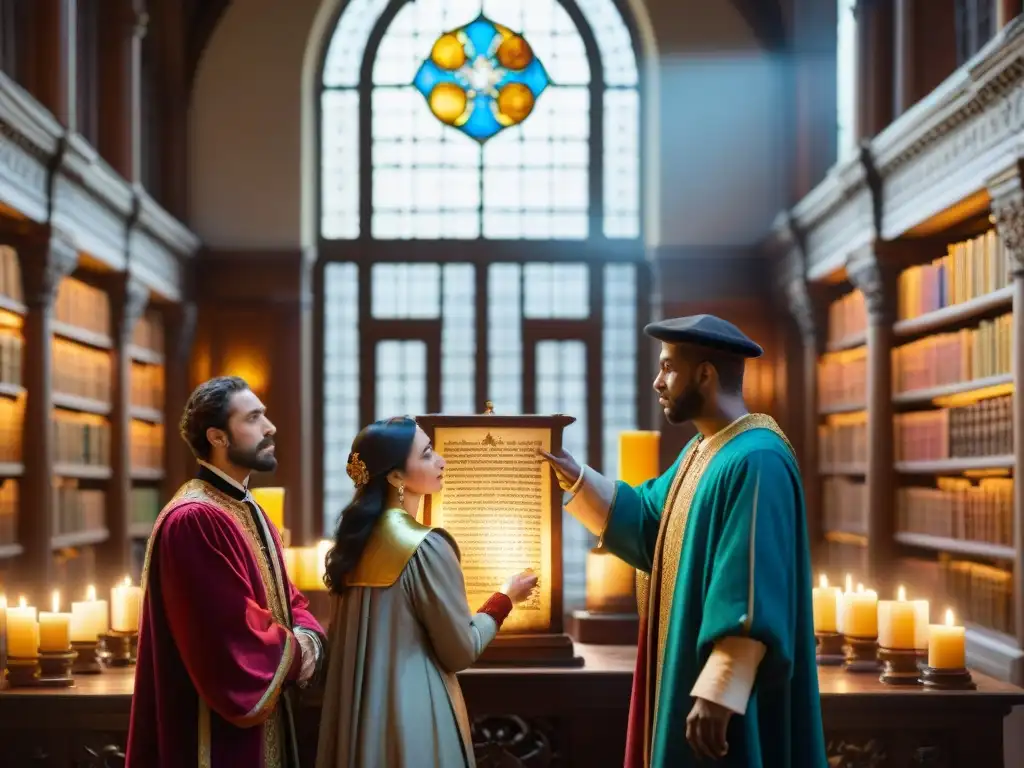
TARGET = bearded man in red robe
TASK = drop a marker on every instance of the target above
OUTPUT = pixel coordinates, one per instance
(224, 635)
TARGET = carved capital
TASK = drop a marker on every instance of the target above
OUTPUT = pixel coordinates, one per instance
(129, 297)
(1007, 194)
(45, 261)
(871, 278)
(801, 307)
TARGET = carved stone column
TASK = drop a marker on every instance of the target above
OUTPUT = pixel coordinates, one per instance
(179, 334)
(128, 298)
(1007, 194)
(805, 314)
(121, 35)
(878, 284)
(45, 261)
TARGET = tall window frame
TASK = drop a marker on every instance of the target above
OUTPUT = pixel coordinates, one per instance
(371, 330)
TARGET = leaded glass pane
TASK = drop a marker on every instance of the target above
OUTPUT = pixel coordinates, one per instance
(556, 291)
(504, 338)
(621, 163)
(618, 59)
(401, 378)
(618, 359)
(348, 44)
(406, 291)
(339, 162)
(340, 384)
(458, 339)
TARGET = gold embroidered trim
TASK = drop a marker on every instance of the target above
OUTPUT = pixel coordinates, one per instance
(205, 758)
(269, 697)
(748, 620)
(669, 546)
(277, 603)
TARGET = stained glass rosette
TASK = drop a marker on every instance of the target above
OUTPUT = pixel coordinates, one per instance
(481, 78)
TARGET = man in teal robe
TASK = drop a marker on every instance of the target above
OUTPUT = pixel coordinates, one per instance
(726, 666)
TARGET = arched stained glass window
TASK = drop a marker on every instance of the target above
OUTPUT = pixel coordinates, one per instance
(537, 180)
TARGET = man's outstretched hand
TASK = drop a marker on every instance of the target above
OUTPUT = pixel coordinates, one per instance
(566, 470)
(705, 729)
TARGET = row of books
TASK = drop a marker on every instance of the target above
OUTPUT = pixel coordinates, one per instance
(842, 557)
(981, 594)
(951, 358)
(959, 509)
(12, 417)
(149, 331)
(844, 442)
(11, 345)
(847, 316)
(845, 503)
(81, 371)
(81, 439)
(83, 306)
(148, 386)
(10, 274)
(969, 269)
(8, 511)
(77, 510)
(146, 504)
(842, 379)
(147, 445)
(984, 428)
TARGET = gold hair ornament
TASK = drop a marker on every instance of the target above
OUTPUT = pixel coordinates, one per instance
(356, 469)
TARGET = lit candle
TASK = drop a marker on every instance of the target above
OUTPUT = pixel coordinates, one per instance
(897, 623)
(89, 618)
(307, 567)
(54, 628)
(271, 501)
(946, 645)
(839, 608)
(638, 456)
(125, 606)
(611, 583)
(321, 563)
(922, 618)
(3, 638)
(22, 631)
(826, 606)
(860, 613)
(291, 565)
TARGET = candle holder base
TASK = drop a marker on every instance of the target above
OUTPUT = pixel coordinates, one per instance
(22, 672)
(120, 649)
(899, 667)
(55, 669)
(947, 679)
(88, 662)
(830, 649)
(861, 654)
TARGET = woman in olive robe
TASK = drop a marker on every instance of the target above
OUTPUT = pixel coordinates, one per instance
(401, 627)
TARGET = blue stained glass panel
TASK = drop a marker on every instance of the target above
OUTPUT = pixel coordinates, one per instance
(481, 78)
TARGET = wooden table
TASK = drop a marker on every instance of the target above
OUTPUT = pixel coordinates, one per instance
(561, 717)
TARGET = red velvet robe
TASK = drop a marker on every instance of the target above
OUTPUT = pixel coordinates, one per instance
(217, 652)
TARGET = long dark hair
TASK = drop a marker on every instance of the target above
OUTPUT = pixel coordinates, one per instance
(377, 450)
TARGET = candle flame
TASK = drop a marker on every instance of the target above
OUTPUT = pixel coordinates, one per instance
(901, 594)
(56, 601)
(22, 602)
(90, 592)
(860, 588)
(949, 617)
(849, 583)
(3, 601)
(127, 581)
(823, 581)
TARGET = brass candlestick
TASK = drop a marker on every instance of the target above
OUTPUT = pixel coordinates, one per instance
(829, 651)
(55, 669)
(119, 648)
(948, 679)
(861, 654)
(87, 661)
(22, 672)
(899, 666)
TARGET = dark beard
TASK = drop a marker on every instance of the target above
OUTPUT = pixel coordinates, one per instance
(687, 406)
(253, 459)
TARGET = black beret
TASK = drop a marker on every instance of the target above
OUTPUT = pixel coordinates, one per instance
(704, 331)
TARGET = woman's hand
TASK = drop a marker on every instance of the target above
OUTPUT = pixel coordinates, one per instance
(519, 587)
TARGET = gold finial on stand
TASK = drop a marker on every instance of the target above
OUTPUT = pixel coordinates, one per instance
(488, 408)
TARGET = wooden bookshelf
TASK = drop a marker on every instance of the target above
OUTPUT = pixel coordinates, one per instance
(940, 266)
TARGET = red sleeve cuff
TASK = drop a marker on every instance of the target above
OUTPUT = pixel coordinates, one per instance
(498, 607)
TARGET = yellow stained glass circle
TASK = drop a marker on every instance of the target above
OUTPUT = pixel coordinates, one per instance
(448, 102)
(448, 52)
(515, 102)
(514, 53)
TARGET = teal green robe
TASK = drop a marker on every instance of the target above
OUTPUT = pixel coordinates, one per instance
(728, 554)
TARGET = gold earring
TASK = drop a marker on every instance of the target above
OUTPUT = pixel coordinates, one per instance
(401, 493)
